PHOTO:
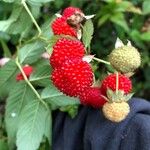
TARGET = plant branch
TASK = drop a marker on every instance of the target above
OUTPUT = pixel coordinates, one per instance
(31, 16)
(101, 61)
(30, 85)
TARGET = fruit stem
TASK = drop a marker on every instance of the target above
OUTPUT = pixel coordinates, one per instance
(102, 61)
(117, 82)
(30, 85)
(31, 16)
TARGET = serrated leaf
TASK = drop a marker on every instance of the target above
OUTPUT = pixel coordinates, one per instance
(5, 24)
(19, 96)
(19, 18)
(7, 78)
(31, 52)
(41, 74)
(46, 30)
(56, 98)
(88, 30)
(52, 41)
(31, 126)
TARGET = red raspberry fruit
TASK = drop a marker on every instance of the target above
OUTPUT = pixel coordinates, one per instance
(92, 96)
(69, 11)
(110, 82)
(58, 79)
(64, 49)
(75, 76)
(27, 70)
(60, 26)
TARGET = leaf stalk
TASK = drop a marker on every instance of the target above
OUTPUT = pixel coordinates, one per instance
(31, 16)
(30, 85)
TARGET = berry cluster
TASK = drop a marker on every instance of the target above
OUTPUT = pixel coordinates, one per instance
(73, 75)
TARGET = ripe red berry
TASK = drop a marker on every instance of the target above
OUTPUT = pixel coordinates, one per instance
(64, 49)
(110, 82)
(60, 26)
(69, 11)
(58, 79)
(92, 96)
(75, 76)
(27, 70)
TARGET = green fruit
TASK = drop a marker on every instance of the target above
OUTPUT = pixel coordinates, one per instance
(125, 59)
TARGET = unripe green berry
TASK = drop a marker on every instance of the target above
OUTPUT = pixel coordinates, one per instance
(125, 59)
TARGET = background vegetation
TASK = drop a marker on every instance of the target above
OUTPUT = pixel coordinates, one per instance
(114, 18)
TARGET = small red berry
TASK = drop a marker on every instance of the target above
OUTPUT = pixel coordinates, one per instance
(92, 96)
(60, 26)
(110, 82)
(75, 76)
(64, 49)
(27, 70)
(69, 11)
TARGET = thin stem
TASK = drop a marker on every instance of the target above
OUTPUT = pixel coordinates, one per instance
(30, 85)
(102, 61)
(32, 18)
(117, 82)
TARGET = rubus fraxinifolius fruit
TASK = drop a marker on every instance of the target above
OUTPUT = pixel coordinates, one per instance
(125, 59)
(65, 49)
(73, 75)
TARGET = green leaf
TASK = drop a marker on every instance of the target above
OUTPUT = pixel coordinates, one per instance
(88, 30)
(71, 110)
(146, 7)
(6, 24)
(52, 42)
(56, 98)
(3, 145)
(48, 127)
(32, 126)
(23, 24)
(128, 6)
(103, 19)
(145, 36)
(38, 2)
(19, 96)
(31, 52)
(41, 75)
(6, 50)
(7, 78)
(8, 1)
(19, 18)
(119, 19)
(46, 30)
